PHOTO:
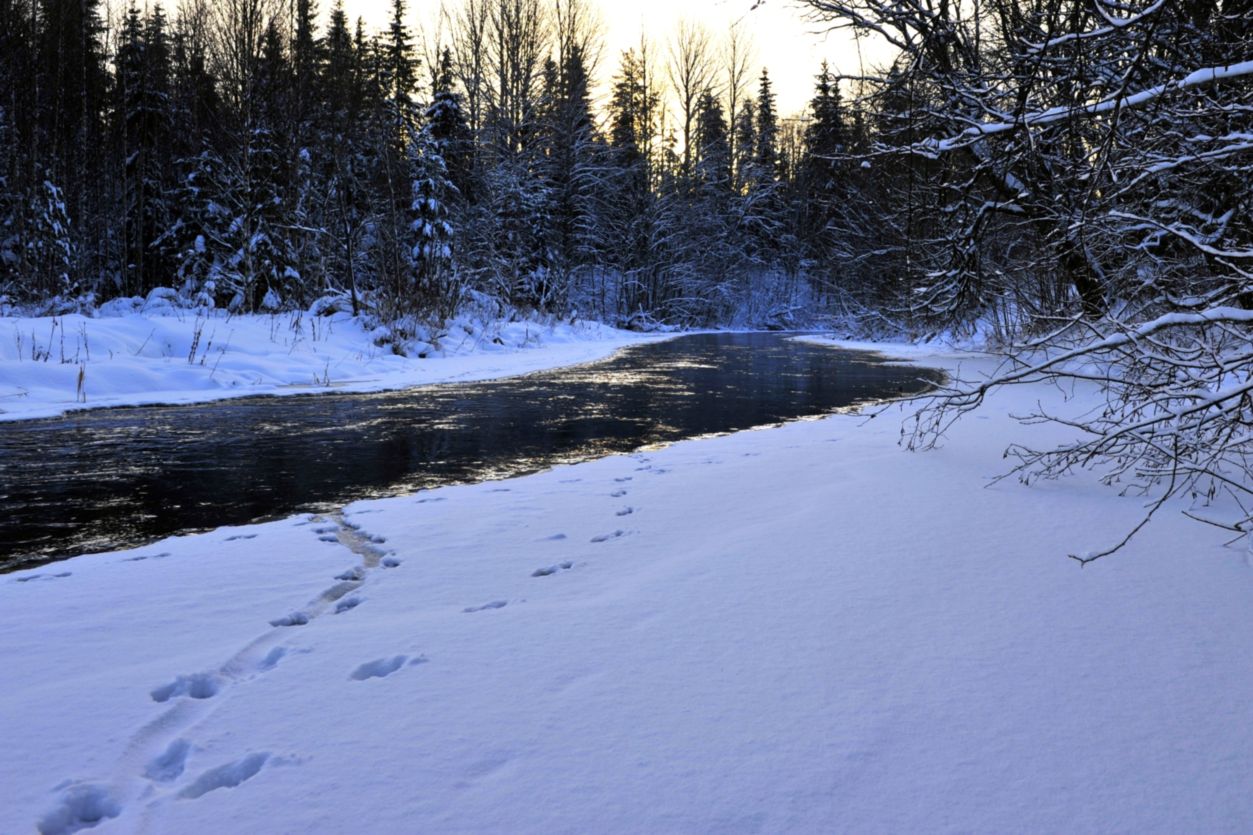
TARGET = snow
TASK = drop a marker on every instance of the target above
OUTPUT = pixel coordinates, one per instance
(797, 629)
(153, 352)
(1111, 104)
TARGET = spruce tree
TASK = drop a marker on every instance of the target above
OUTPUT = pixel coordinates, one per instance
(767, 149)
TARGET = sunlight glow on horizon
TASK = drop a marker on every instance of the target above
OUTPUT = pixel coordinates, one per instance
(782, 40)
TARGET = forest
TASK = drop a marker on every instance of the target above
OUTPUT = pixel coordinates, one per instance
(253, 160)
(1016, 163)
(1067, 181)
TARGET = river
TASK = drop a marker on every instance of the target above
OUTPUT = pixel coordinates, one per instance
(115, 478)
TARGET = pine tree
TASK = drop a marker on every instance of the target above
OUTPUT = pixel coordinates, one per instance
(18, 86)
(761, 209)
(745, 146)
(629, 212)
(431, 230)
(143, 116)
(72, 86)
(568, 160)
(767, 149)
(399, 72)
(824, 186)
(50, 244)
(448, 127)
(305, 58)
(714, 164)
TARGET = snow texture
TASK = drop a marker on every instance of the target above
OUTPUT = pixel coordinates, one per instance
(161, 354)
(805, 629)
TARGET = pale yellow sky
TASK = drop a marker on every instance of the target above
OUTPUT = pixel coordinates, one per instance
(783, 41)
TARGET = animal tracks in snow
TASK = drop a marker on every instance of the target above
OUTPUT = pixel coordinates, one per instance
(43, 577)
(272, 658)
(226, 776)
(552, 569)
(605, 537)
(161, 754)
(165, 554)
(383, 667)
(495, 604)
(347, 605)
(168, 766)
(82, 806)
(196, 686)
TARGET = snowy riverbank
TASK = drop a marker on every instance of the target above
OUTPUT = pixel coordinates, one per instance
(51, 365)
(798, 629)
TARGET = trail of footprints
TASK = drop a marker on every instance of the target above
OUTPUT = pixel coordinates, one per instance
(625, 510)
(156, 762)
(163, 747)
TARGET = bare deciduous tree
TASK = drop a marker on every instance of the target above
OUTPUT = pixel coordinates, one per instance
(1113, 139)
(691, 73)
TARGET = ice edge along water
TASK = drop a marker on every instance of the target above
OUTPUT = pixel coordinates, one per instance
(51, 366)
(801, 628)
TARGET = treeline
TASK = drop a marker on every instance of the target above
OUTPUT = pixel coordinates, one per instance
(1045, 163)
(254, 159)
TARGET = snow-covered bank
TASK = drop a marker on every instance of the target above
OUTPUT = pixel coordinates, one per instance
(52, 365)
(797, 629)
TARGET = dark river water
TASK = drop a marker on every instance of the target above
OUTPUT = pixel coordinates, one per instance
(114, 478)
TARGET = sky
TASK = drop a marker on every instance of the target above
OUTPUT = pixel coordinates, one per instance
(784, 42)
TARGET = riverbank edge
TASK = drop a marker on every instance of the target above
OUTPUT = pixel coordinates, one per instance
(734, 648)
(265, 360)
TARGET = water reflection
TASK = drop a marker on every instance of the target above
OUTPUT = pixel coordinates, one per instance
(113, 478)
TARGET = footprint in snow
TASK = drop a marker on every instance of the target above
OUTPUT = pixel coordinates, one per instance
(435, 499)
(389, 562)
(352, 575)
(195, 686)
(326, 529)
(294, 619)
(169, 764)
(379, 668)
(226, 776)
(240, 536)
(617, 494)
(271, 659)
(557, 537)
(626, 511)
(81, 807)
(495, 604)
(43, 577)
(347, 605)
(160, 556)
(624, 479)
(552, 569)
(605, 537)
(328, 538)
